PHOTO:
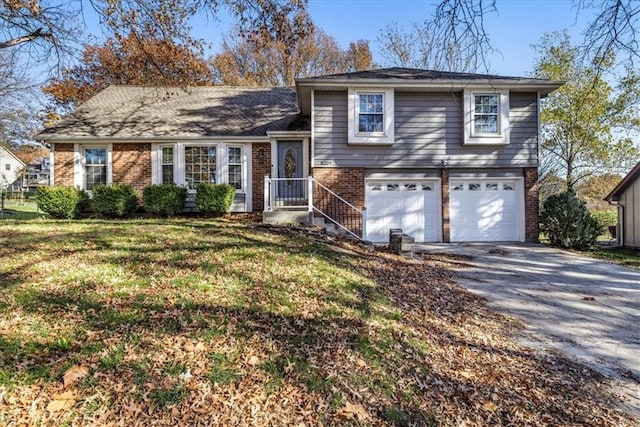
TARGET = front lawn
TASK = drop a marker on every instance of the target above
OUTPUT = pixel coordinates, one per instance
(617, 255)
(202, 322)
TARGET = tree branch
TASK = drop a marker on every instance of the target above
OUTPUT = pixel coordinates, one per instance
(38, 33)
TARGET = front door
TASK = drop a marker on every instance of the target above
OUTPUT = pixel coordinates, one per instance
(290, 166)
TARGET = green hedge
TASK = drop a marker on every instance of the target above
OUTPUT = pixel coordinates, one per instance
(61, 202)
(166, 199)
(114, 201)
(214, 199)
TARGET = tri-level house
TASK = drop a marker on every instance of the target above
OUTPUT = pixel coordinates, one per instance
(446, 157)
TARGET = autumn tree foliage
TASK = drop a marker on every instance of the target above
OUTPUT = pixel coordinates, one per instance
(296, 49)
(132, 61)
(588, 125)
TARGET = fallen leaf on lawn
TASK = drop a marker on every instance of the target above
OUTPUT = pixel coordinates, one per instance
(489, 406)
(356, 411)
(253, 361)
(74, 374)
(61, 402)
(466, 374)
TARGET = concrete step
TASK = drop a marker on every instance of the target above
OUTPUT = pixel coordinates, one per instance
(285, 217)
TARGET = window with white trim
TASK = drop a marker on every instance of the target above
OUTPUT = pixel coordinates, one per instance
(485, 114)
(371, 116)
(370, 113)
(200, 165)
(167, 163)
(234, 160)
(7, 166)
(95, 167)
(486, 117)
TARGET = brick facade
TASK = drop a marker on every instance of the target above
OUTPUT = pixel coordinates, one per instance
(260, 167)
(446, 217)
(531, 212)
(63, 164)
(348, 183)
(132, 164)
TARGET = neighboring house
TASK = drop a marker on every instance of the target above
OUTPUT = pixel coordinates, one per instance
(446, 157)
(11, 170)
(626, 196)
(37, 160)
(36, 174)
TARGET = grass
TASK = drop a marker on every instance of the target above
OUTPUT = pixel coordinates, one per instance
(218, 322)
(22, 210)
(617, 255)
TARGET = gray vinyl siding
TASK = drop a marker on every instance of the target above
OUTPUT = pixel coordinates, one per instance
(428, 129)
(630, 200)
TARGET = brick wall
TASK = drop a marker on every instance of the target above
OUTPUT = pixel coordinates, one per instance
(132, 164)
(348, 183)
(444, 188)
(63, 164)
(531, 213)
(260, 166)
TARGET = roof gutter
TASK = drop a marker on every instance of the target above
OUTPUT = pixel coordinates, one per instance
(80, 139)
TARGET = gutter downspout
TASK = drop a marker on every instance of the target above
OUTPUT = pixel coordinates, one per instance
(620, 230)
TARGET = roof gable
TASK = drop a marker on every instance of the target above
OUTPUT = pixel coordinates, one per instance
(629, 179)
(5, 151)
(148, 112)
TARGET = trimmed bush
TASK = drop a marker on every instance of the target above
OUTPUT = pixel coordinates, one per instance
(567, 222)
(114, 201)
(214, 199)
(61, 202)
(165, 200)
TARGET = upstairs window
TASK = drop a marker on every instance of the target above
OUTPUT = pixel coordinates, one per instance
(370, 116)
(371, 113)
(486, 117)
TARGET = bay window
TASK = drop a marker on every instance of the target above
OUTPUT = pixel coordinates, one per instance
(200, 165)
(167, 165)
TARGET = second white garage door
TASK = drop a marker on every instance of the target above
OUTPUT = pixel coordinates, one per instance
(486, 210)
(413, 206)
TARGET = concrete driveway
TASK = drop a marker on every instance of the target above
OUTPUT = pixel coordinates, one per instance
(587, 309)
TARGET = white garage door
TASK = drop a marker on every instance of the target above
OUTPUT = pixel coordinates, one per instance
(413, 206)
(486, 210)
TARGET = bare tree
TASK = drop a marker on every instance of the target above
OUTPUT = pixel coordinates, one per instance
(419, 48)
(613, 30)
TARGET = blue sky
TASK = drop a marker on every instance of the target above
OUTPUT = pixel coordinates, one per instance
(517, 25)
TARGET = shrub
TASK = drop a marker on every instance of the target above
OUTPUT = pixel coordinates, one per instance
(567, 222)
(114, 200)
(165, 199)
(214, 199)
(61, 202)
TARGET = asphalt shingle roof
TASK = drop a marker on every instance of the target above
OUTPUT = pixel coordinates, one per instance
(136, 111)
(398, 73)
